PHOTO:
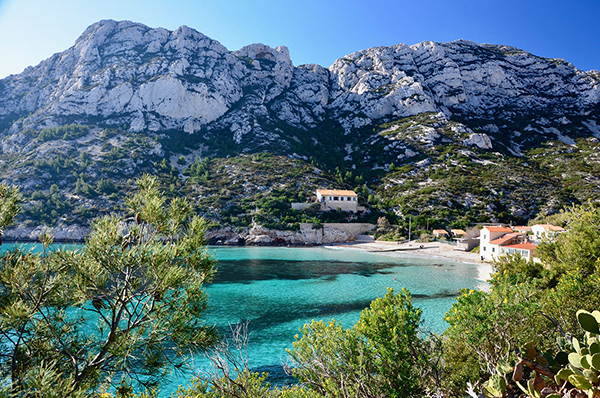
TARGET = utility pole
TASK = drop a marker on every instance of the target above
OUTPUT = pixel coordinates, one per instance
(409, 226)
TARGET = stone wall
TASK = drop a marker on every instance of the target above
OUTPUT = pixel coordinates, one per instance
(300, 206)
(334, 205)
(350, 228)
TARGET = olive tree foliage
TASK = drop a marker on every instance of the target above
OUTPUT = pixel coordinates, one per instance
(579, 248)
(123, 308)
(381, 356)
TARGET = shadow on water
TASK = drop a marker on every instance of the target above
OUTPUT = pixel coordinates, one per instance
(270, 317)
(277, 375)
(248, 271)
(439, 295)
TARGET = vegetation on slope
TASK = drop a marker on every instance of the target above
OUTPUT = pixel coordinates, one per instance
(436, 172)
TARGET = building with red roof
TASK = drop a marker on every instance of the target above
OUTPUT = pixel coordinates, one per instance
(548, 231)
(526, 250)
(492, 238)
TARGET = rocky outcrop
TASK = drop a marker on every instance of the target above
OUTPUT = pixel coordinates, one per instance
(62, 233)
(306, 235)
(258, 235)
(125, 73)
(481, 141)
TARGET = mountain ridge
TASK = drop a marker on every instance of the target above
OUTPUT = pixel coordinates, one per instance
(128, 99)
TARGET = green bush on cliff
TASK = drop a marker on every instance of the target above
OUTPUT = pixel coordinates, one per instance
(68, 132)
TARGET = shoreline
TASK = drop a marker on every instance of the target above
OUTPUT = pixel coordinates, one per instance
(413, 249)
(416, 249)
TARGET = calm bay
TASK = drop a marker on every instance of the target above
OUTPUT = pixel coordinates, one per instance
(279, 289)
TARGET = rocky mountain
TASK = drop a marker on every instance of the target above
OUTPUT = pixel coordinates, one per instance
(127, 99)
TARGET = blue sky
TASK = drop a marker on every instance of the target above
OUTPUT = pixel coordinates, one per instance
(315, 31)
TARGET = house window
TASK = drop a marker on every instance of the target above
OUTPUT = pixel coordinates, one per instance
(342, 198)
(330, 198)
(483, 248)
(354, 199)
(335, 198)
(493, 249)
(483, 236)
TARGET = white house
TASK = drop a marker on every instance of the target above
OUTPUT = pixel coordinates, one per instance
(487, 249)
(549, 231)
(496, 246)
(499, 241)
(332, 199)
(526, 250)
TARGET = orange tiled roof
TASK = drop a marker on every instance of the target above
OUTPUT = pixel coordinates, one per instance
(526, 246)
(550, 227)
(498, 229)
(503, 239)
(336, 192)
(458, 232)
(522, 228)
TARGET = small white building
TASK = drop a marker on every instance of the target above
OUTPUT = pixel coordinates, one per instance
(440, 233)
(548, 231)
(332, 199)
(457, 233)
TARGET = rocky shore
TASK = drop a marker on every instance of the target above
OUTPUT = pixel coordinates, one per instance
(61, 233)
(307, 235)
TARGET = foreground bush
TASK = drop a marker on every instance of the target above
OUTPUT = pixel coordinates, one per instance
(124, 308)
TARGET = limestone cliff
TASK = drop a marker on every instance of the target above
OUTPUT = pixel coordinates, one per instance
(128, 99)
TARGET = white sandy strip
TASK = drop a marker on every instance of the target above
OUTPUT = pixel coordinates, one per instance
(431, 250)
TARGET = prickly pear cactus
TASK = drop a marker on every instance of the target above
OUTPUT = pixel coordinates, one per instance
(583, 370)
(572, 374)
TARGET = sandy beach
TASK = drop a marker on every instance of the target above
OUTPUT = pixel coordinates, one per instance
(432, 250)
(416, 249)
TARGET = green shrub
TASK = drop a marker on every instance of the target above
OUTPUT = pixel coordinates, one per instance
(68, 132)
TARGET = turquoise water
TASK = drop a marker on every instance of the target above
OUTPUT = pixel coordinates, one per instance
(279, 289)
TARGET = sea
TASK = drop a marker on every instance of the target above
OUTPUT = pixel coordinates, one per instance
(276, 290)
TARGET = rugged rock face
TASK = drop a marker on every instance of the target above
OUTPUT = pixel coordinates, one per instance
(63, 233)
(124, 73)
(260, 236)
(128, 99)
